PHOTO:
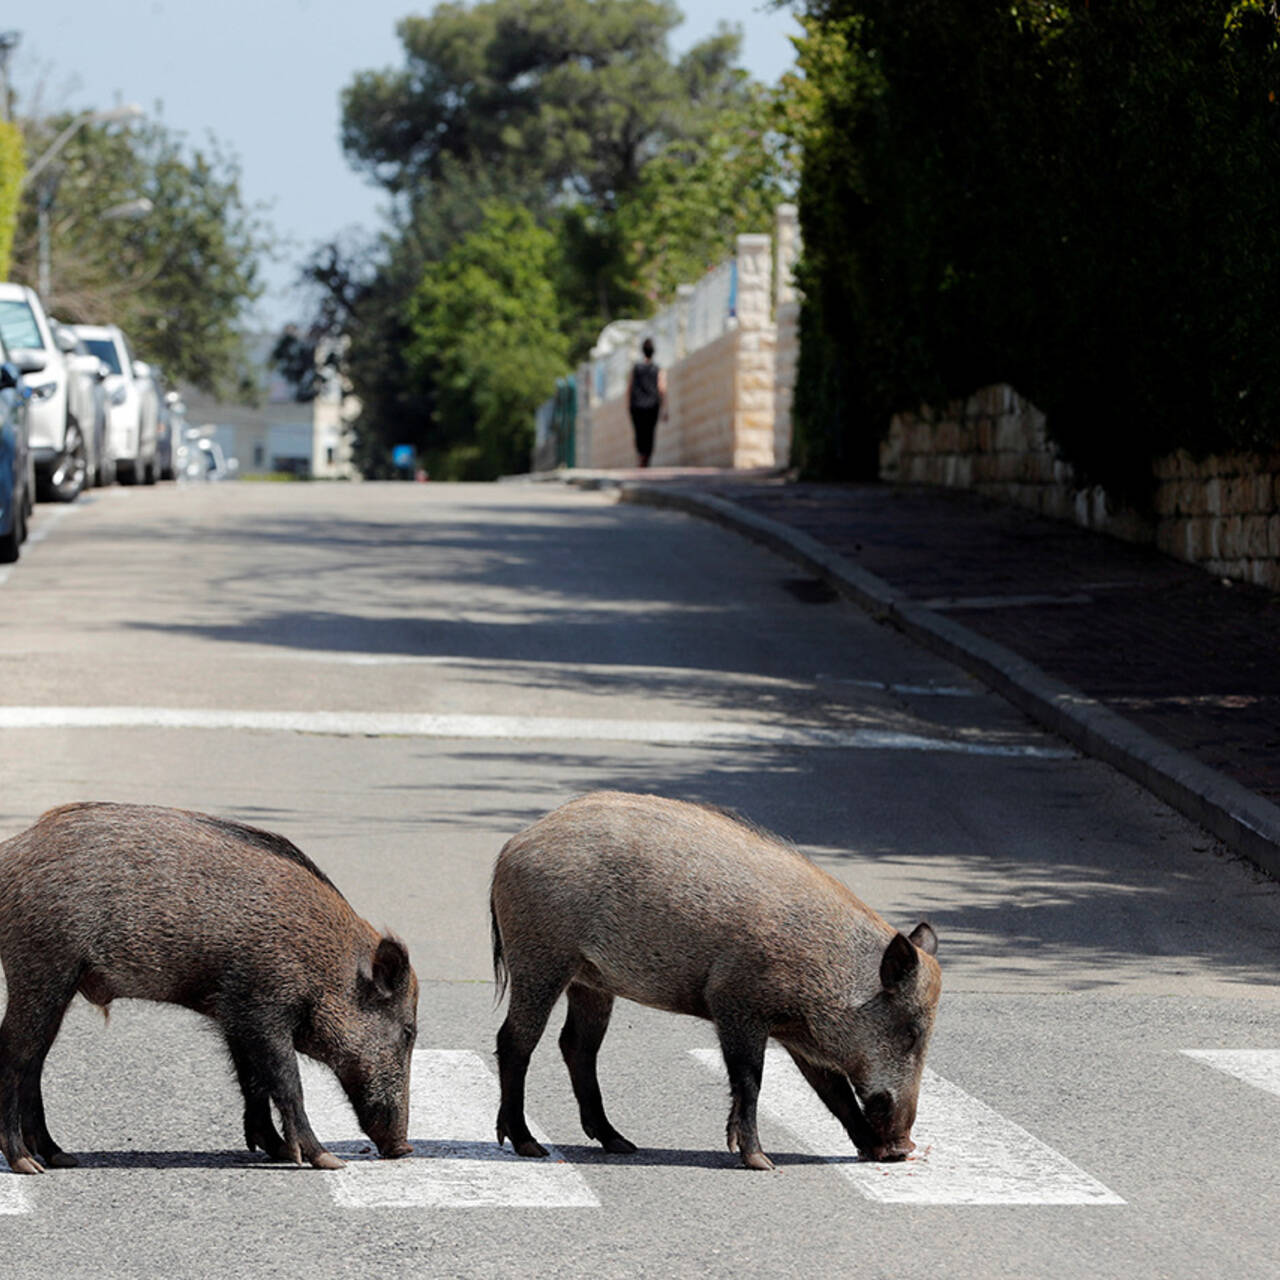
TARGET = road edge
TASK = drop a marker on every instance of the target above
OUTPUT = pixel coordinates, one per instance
(1246, 823)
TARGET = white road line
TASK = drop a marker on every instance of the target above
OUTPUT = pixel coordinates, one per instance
(517, 728)
(47, 523)
(456, 1161)
(1258, 1067)
(966, 1153)
(40, 530)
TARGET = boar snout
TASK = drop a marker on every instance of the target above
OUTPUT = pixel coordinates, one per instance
(890, 1128)
(383, 1027)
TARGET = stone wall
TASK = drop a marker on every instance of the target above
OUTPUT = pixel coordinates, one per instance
(1218, 512)
(729, 384)
(701, 430)
(1222, 512)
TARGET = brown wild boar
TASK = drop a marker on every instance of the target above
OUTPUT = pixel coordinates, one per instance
(687, 909)
(122, 900)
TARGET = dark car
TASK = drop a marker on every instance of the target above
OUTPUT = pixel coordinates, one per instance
(15, 459)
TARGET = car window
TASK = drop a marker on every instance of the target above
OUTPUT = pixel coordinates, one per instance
(18, 325)
(106, 351)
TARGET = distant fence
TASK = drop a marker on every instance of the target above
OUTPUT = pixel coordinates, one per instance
(727, 344)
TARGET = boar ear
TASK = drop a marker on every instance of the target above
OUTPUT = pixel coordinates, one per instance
(898, 963)
(388, 972)
(925, 938)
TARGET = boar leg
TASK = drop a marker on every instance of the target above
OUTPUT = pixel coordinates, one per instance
(35, 1130)
(742, 1042)
(259, 1128)
(32, 1019)
(272, 1065)
(835, 1090)
(584, 1029)
(532, 997)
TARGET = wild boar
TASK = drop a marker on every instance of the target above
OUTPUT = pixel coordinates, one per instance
(122, 900)
(689, 909)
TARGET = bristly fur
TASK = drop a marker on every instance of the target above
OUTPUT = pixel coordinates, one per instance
(267, 841)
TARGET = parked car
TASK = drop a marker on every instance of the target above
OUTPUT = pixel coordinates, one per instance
(87, 403)
(131, 403)
(15, 459)
(55, 437)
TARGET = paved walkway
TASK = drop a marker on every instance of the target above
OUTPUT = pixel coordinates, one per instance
(1188, 658)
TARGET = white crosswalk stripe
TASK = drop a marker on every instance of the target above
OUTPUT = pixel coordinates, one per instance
(456, 1161)
(1258, 1067)
(966, 1153)
(13, 1194)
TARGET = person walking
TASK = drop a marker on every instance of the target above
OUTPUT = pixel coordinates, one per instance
(646, 398)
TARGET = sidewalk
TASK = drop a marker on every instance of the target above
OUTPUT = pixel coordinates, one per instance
(1153, 665)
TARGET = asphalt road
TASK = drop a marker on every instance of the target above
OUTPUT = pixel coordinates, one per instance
(400, 677)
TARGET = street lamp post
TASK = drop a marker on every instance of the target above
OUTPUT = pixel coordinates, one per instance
(44, 203)
(112, 115)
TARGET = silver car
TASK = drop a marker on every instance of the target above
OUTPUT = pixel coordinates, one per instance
(56, 440)
(132, 408)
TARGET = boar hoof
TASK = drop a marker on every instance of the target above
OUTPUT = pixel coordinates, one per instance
(396, 1150)
(530, 1148)
(61, 1160)
(619, 1146)
(27, 1164)
(757, 1160)
(326, 1160)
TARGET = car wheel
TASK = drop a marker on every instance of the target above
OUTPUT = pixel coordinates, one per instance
(127, 472)
(11, 542)
(69, 479)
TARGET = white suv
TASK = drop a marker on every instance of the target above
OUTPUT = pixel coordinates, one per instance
(131, 403)
(57, 444)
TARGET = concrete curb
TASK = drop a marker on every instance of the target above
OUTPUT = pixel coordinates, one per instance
(1245, 822)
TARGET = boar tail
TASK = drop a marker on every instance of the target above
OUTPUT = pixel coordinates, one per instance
(500, 971)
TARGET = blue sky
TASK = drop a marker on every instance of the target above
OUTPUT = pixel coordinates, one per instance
(263, 76)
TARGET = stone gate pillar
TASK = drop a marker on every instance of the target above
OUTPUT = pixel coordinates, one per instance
(753, 430)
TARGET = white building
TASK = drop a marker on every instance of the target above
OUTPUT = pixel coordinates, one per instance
(282, 434)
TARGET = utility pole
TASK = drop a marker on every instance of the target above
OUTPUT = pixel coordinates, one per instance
(9, 41)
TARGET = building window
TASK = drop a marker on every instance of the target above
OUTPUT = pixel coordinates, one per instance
(258, 455)
(328, 455)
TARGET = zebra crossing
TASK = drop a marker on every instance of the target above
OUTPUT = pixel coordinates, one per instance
(967, 1152)
(456, 1161)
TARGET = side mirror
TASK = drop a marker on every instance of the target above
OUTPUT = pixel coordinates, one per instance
(103, 371)
(66, 341)
(141, 369)
(30, 361)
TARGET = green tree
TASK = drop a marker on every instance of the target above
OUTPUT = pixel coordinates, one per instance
(12, 168)
(561, 108)
(1062, 195)
(177, 281)
(578, 93)
(696, 194)
(487, 338)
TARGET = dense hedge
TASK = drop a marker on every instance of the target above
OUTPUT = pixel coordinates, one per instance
(1076, 198)
(12, 167)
